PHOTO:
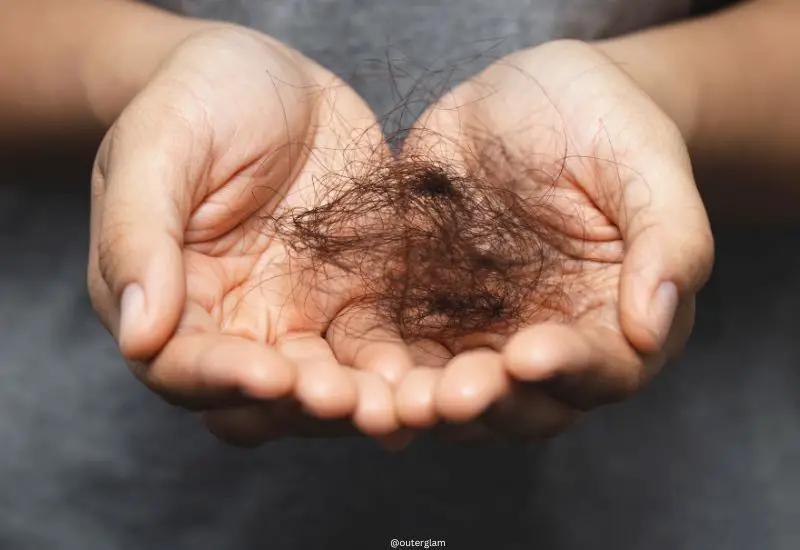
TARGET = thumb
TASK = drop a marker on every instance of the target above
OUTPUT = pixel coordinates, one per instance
(669, 253)
(142, 203)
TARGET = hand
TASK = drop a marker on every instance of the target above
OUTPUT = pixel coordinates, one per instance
(569, 127)
(209, 309)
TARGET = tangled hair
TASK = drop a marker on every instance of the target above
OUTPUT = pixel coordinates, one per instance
(438, 253)
(441, 250)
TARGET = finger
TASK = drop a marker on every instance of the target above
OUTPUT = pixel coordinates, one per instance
(380, 360)
(375, 411)
(415, 401)
(470, 384)
(528, 413)
(670, 250)
(681, 328)
(324, 387)
(493, 341)
(360, 341)
(253, 425)
(414, 398)
(584, 366)
(146, 180)
(247, 426)
(207, 370)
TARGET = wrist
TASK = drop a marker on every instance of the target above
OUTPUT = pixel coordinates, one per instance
(123, 55)
(648, 60)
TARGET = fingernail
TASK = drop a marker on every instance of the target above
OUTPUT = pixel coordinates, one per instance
(132, 308)
(662, 310)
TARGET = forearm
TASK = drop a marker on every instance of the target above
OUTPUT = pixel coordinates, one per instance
(731, 81)
(69, 67)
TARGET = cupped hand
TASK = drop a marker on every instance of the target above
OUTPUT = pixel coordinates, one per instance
(571, 130)
(209, 308)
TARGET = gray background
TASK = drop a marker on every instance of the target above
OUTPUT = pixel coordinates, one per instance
(705, 458)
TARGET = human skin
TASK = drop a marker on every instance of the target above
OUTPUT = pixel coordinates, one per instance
(575, 132)
(70, 68)
(629, 111)
(211, 311)
(688, 75)
(728, 80)
(227, 126)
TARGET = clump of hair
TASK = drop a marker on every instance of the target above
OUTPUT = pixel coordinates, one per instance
(439, 252)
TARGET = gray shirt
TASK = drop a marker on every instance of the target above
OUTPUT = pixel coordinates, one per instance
(703, 459)
(361, 39)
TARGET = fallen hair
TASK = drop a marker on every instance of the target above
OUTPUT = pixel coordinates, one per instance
(439, 252)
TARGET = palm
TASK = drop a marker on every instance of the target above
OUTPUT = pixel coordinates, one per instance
(258, 127)
(576, 134)
(567, 129)
(554, 144)
(239, 271)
